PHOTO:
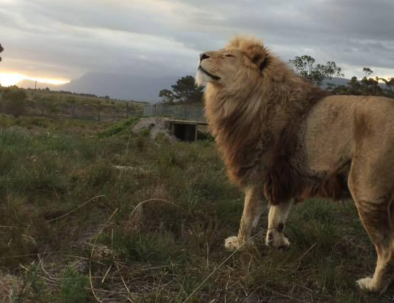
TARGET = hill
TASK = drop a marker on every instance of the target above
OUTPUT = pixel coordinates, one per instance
(117, 86)
(336, 81)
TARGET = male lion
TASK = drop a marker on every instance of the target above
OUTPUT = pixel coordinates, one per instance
(286, 140)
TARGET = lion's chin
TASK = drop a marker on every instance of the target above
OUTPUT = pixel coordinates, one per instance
(202, 78)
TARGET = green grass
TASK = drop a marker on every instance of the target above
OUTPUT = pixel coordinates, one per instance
(119, 127)
(157, 226)
(73, 288)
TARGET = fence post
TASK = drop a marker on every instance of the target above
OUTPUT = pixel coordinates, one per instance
(98, 111)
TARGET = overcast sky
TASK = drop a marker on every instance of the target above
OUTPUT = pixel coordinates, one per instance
(65, 39)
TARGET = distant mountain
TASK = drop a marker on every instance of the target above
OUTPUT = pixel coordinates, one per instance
(117, 86)
(336, 81)
(120, 86)
(343, 81)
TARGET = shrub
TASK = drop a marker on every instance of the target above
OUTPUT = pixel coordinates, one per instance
(15, 101)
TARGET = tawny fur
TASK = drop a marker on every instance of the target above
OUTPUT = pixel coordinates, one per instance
(278, 132)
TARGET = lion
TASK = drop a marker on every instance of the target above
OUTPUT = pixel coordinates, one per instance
(285, 140)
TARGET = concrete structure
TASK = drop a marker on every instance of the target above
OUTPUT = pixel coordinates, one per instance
(185, 130)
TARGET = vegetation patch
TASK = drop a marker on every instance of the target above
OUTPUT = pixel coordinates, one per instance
(119, 127)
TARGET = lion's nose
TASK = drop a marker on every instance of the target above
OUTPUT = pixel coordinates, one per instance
(203, 57)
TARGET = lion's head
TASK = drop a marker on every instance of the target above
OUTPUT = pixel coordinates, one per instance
(242, 60)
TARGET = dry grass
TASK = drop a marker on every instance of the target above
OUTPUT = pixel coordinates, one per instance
(75, 228)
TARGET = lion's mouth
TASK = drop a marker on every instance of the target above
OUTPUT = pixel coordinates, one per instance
(209, 74)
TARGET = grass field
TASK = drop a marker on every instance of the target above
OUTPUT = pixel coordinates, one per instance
(63, 105)
(95, 215)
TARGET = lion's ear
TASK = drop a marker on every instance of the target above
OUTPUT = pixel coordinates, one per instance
(261, 60)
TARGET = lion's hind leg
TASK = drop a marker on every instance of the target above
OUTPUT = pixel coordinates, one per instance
(376, 218)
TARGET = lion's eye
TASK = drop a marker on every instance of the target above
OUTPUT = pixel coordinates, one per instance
(230, 56)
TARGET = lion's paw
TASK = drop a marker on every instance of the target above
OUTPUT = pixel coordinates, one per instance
(277, 239)
(367, 284)
(232, 243)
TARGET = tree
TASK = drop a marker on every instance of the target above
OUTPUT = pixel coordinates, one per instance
(304, 66)
(367, 71)
(1, 49)
(167, 96)
(15, 101)
(185, 90)
(371, 87)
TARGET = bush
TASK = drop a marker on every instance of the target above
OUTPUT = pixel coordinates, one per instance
(15, 101)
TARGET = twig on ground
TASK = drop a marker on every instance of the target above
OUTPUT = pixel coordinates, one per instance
(154, 199)
(30, 255)
(91, 256)
(74, 210)
(106, 274)
(125, 285)
(304, 254)
(44, 270)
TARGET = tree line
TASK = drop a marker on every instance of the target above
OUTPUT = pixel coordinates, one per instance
(186, 92)
(366, 86)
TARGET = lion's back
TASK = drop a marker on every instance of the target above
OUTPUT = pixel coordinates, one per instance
(337, 124)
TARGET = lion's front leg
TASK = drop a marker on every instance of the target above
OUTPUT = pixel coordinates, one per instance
(276, 223)
(253, 208)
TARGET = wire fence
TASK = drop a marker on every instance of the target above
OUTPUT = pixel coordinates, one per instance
(99, 113)
(186, 112)
(103, 111)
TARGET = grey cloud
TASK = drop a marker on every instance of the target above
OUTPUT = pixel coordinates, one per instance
(361, 27)
(74, 37)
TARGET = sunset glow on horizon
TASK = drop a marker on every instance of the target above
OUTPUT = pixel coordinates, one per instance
(9, 79)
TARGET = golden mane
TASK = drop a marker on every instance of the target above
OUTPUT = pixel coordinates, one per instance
(248, 119)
